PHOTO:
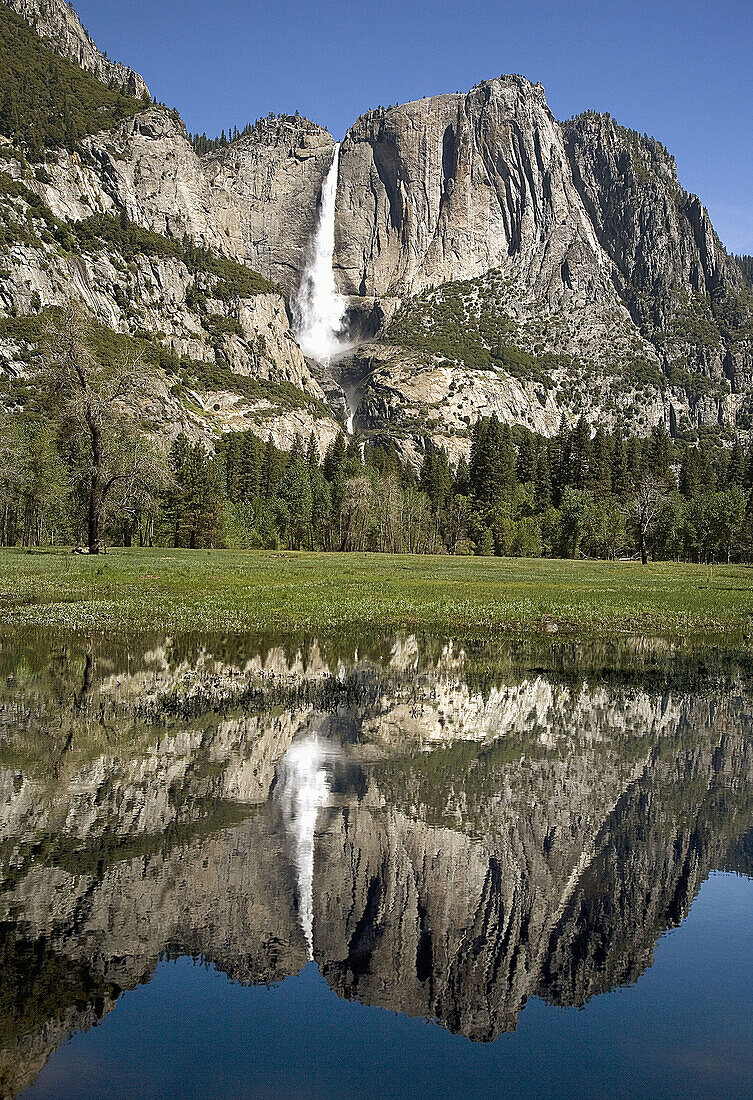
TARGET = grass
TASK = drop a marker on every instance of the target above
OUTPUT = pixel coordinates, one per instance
(179, 590)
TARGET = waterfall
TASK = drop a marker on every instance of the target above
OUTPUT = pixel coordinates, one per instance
(319, 309)
(302, 791)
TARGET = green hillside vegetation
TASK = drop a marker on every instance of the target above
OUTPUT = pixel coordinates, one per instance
(47, 102)
(110, 346)
(465, 322)
(700, 321)
(733, 312)
(203, 144)
(691, 321)
(233, 280)
(645, 151)
(26, 219)
(745, 263)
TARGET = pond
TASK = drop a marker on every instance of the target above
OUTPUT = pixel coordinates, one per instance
(414, 866)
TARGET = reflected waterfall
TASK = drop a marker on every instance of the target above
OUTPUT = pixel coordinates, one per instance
(302, 791)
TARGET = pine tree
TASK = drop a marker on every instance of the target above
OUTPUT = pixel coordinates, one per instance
(462, 485)
(736, 466)
(748, 480)
(196, 502)
(435, 479)
(555, 453)
(295, 490)
(507, 459)
(353, 455)
(635, 462)
(250, 467)
(232, 450)
(313, 459)
(542, 481)
(334, 460)
(268, 469)
(599, 477)
(579, 454)
(660, 452)
(620, 476)
(696, 472)
(525, 464)
(492, 465)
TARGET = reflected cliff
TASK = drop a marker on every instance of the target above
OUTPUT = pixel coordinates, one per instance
(447, 830)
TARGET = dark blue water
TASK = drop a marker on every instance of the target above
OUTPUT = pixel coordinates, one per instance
(684, 1029)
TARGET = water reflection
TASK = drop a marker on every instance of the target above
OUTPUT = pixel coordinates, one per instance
(302, 788)
(447, 831)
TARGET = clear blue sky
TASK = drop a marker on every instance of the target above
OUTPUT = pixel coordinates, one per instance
(681, 71)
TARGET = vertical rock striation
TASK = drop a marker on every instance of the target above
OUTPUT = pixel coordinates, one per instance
(684, 292)
(594, 284)
(449, 187)
(265, 189)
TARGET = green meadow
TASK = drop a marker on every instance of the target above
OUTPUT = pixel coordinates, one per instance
(181, 590)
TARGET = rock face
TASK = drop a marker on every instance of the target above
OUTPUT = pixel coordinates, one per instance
(57, 23)
(148, 168)
(657, 236)
(602, 257)
(227, 357)
(450, 187)
(265, 190)
(570, 245)
(597, 942)
(251, 372)
(255, 200)
(683, 290)
(541, 908)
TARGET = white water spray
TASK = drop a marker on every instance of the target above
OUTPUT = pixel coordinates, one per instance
(303, 790)
(319, 309)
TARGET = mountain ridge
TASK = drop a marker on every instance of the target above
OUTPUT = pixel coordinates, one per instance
(590, 282)
(58, 22)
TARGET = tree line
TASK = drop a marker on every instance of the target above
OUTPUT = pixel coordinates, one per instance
(82, 467)
(203, 144)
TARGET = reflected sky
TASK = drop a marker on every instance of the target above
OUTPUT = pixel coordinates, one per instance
(684, 1030)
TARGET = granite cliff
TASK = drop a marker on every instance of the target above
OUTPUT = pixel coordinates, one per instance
(452, 187)
(127, 222)
(493, 260)
(561, 264)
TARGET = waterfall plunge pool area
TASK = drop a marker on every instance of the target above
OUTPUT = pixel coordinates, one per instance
(403, 866)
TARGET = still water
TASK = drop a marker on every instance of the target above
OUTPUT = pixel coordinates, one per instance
(404, 868)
